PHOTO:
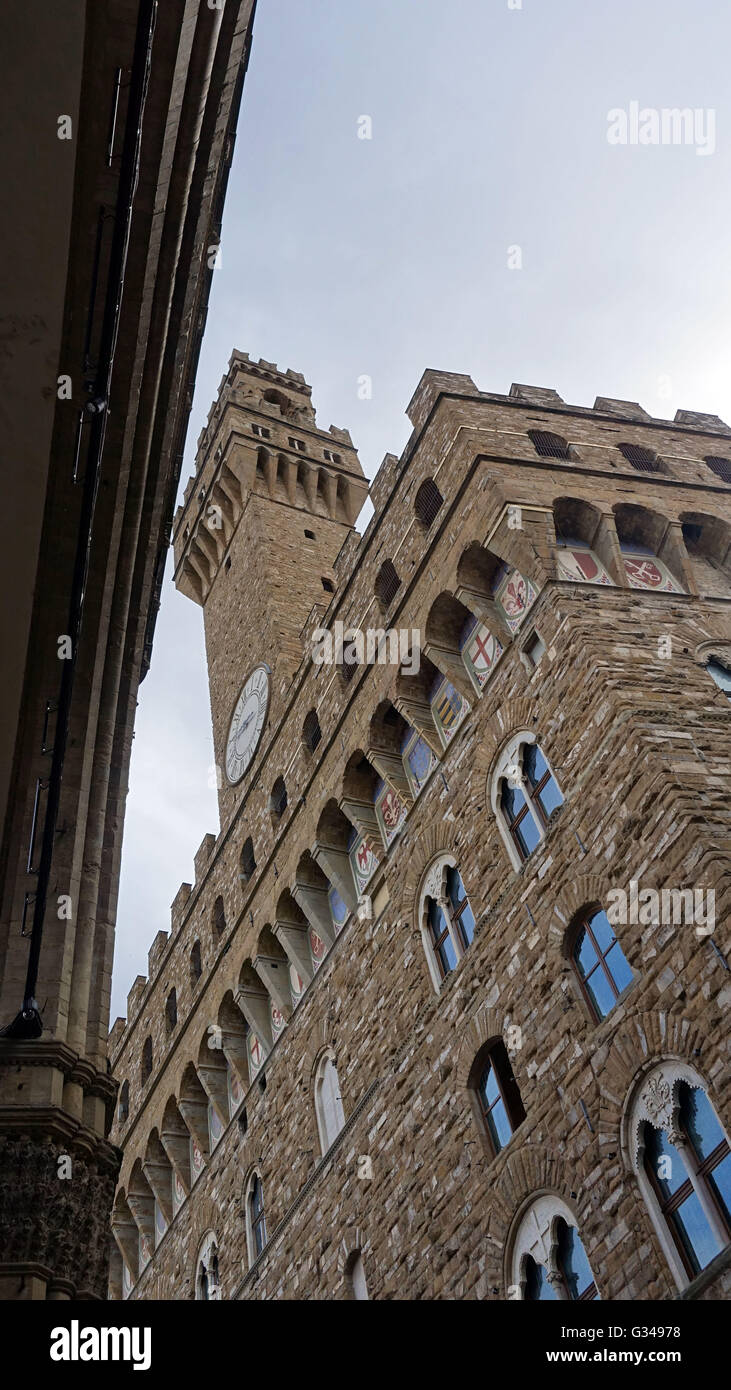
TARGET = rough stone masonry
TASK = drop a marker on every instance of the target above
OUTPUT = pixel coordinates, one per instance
(305, 1072)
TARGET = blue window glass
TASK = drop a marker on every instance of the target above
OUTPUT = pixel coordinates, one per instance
(537, 1287)
(520, 821)
(679, 1201)
(720, 1181)
(699, 1120)
(721, 675)
(461, 910)
(258, 1223)
(601, 964)
(495, 1084)
(574, 1264)
(544, 786)
(494, 1108)
(443, 945)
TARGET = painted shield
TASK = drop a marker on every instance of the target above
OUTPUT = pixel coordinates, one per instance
(391, 813)
(480, 652)
(647, 572)
(515, 595)
(363, 862)
(581, 566)
(317, 947)
(296, 984)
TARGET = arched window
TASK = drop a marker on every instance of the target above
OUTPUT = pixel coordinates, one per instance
(387, 584)
(643, 460)
(146, 1060)
(218, 919)
(328, 1102)
(720, 672)
(446, 917)
(123, 1104)
(171, 1011)
(278, 803)
(349, 667)
(499, 1106)
(247, 862)
(207, 1282)
(356, 1280)
(682, 1160)
(311, 731)
(256, 1230)
(599, 962)
(549, 446)
(525, 795)
(428, 503)
(196, 965)
(720, 466)
(549, 1261)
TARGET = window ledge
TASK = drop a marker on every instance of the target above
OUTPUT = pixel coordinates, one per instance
(706, 1276)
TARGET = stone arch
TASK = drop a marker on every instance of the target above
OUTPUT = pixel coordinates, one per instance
(175, 1138)
(486, 1024)
(645, 527)
(218, 919)
(141, 1202)
(207, 1255)
(320, 1039)
(519, 1180)
(708, 543)
(576, 895)
(541, 1237)
(446, 623)
(576, 519)
(159, 1173)
(411, 696)
(355, 1242)
(441, 837)
(126, 1233)
(519, 712)
(274, 397)
(193, 1106)
(640, 1042)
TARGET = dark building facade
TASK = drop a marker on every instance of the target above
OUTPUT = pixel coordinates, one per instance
(119, 125)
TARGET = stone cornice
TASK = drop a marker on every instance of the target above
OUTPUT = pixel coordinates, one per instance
(58, 1056)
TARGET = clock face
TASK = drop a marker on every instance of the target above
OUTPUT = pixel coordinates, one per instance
(246, 724)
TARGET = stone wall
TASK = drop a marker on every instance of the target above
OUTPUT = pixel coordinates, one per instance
(636, 734)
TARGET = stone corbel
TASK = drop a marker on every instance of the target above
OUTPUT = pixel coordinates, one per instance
(336, 866)
(274, 974)
(316, 907)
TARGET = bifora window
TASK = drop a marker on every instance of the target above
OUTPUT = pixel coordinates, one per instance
(691, 1179)
(549, 1262)
(501, 1107)
(528, 801)
(721, 674)
(600, 963)
(572, 1280)
(257, 1221)
(448, 918)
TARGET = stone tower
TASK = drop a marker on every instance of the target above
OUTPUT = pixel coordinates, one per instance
(272, 500)
(393, 1047)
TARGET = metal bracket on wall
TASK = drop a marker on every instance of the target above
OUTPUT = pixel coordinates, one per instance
(41, 786)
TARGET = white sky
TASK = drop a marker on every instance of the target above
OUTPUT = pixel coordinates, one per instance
(344, 256)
